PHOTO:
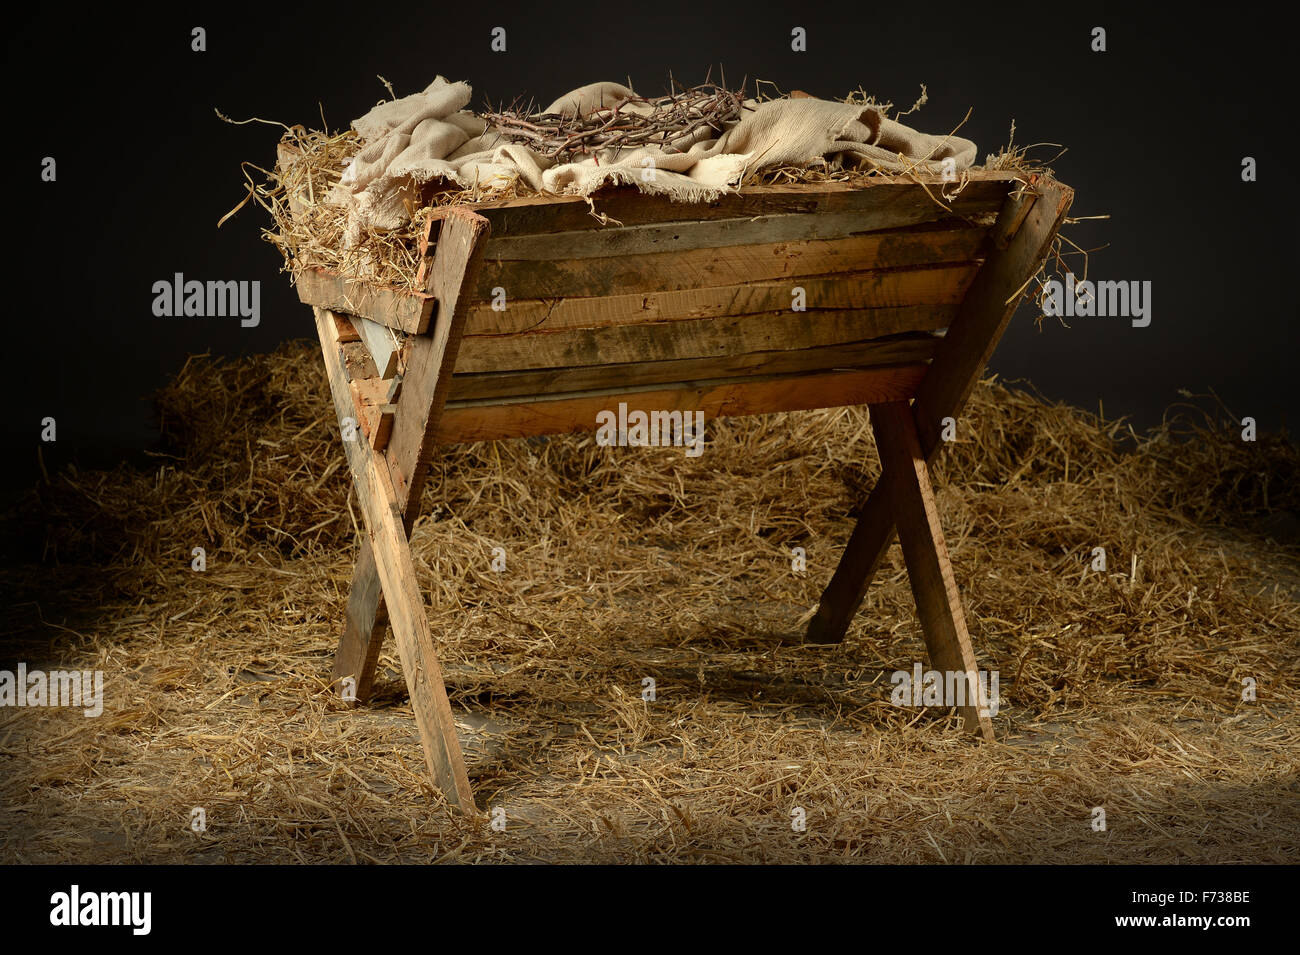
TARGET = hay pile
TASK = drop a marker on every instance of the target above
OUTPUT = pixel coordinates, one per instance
(623, 563)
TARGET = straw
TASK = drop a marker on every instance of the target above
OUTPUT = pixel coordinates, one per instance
(631, 563)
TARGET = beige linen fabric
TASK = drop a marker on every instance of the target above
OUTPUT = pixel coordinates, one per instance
(431, 136)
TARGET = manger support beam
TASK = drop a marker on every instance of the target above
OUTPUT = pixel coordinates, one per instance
(408, 312)
(381, 343)
(906, 482)
(492, 419)
(980, 322)
(430, 360)
(387, 541)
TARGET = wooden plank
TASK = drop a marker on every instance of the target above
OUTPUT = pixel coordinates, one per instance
(383, 428)
(926, 285)
(367, 396)
(554, 381)
(356, 357)
(666, 271)
(626, 205)
(980, 322)
(406, 311)
(382, 343)
(909, 208)
(396, 571)
(929, 569)
(347, 332)
(464, 421)
(1007, 226)
(427, 377)
(432, 358)
(696, 338)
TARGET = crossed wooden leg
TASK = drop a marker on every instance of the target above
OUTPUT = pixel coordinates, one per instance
(908, 438)
(905, 486)
(389, 482)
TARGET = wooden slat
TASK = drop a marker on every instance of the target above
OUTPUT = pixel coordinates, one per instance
(907, 208)
(356, 357)
(666, 271)
(406, 311)
(696, 338)
(347, 332)
(395, 569)
(383, 429)
(554, 381)
(367, 396)
(381, 342)
(936, 285)
(550, 214)
(464, 421)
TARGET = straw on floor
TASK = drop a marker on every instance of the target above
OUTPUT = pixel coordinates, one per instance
(1120, 689)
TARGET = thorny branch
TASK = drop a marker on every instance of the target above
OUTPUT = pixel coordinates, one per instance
(659, 121)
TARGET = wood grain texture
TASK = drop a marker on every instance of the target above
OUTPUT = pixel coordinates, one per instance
(694, 338)
(626, 205)
(430, 359)
(516, 418)
(929, 569)
(555, 381)
(702, 268)
(406, 311)
(908, 208)
(387, 539)
(925, 285)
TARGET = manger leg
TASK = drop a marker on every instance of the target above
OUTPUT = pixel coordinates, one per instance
(414, 638)
(1024, 231)
(390, 556)
(866, 549)
(431, 358)
(928, 568)
(363, 628)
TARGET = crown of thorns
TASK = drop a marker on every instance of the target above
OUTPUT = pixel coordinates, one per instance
(658, 121)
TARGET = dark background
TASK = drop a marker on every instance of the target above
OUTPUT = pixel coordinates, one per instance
(1156, 128)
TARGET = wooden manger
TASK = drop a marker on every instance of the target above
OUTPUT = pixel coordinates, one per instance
(681, 307)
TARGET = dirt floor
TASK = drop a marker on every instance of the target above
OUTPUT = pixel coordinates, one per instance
(1120, 690)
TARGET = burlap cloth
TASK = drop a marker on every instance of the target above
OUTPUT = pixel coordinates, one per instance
(431, 136)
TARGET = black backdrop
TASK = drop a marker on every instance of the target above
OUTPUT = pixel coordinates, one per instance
(1156, 127)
